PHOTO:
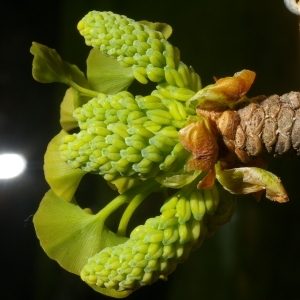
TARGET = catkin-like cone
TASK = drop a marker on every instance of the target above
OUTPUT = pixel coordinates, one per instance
(136, 45)
(155, 248)
(121, 135)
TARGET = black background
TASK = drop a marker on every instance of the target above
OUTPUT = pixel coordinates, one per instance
(256, 256)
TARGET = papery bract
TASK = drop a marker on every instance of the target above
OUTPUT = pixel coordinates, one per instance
(248, 180)
(226, 91)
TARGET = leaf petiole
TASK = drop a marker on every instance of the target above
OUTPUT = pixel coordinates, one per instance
(132, 206)
(134, 195)
(84, 91)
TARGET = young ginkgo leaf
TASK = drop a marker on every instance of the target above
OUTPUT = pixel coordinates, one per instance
(62, 179)
(49, 67)
(70, 235)
(106, 75)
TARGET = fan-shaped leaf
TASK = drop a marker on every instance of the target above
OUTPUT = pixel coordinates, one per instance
(49, 67)
(70, 235)
(106, 75)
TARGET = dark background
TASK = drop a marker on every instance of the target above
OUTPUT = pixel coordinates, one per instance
(256, 256)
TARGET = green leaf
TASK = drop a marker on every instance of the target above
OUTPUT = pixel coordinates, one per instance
(49, 67)
(106, 75)
(62, 179)
(70, 235)
(71, 100)
(67, 121)
(164, 28)
(250, 180)
(80, 99)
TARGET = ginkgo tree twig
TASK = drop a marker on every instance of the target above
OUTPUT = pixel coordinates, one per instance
(196, 146)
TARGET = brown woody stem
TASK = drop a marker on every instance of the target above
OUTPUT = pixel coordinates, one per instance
(263, 127)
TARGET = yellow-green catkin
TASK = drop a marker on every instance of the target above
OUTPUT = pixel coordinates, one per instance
(125, 136)
(155, 248)
(136, 45)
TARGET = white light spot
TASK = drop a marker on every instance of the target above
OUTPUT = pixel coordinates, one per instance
(11, 165)
(293, 6)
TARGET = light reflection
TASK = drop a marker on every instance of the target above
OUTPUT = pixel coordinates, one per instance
(11, 165)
